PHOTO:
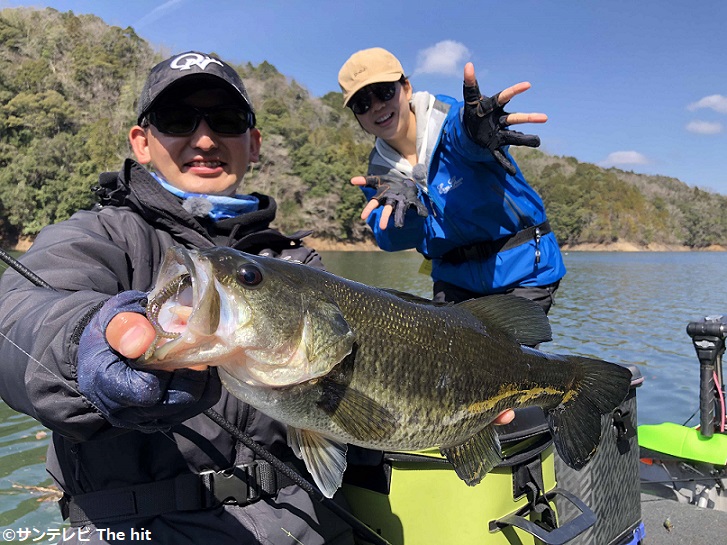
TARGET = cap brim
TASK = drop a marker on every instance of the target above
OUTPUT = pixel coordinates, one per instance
(378, 78)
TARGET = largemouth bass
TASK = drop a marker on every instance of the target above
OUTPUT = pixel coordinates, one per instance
(343, 363)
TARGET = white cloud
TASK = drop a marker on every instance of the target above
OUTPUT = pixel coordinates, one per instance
(444, 58)
(704, 127)
(621, 158)
(718, 103)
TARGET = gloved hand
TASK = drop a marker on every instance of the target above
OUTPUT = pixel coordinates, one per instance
(400, 194)
(486, 124)
(133, 398)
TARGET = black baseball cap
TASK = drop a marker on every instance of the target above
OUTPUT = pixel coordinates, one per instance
(188, 67)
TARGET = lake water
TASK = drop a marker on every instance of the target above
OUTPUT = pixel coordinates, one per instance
(622, 307)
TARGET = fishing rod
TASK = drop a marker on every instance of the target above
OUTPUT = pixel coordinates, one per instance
(359, 528)
(24, 271)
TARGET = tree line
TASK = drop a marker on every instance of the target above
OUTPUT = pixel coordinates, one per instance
(68, 86)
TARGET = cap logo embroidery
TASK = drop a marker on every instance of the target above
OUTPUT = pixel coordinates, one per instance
(187, 61)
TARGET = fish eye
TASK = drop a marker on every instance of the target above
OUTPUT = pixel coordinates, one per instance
(249, 275)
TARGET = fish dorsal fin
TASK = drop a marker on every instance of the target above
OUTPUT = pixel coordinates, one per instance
(324, 459)
(355, 412)
(522, 318)
(411, 298)
(476, 456)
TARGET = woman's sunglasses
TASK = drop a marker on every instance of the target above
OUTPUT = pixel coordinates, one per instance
(361, 101)
(183, 120)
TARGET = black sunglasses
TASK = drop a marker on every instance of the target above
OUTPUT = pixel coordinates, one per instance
(183, 120)
(361, 101)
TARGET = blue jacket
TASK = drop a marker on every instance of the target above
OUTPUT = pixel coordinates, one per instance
(470, 198)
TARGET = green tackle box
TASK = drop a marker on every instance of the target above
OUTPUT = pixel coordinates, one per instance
(417, 498)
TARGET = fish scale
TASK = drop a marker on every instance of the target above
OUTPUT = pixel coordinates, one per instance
(343, 363)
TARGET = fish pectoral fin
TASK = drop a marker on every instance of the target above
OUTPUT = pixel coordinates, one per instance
(327, 337)
(522, 318)
(355, 412)
(324, 459)
(476, 456)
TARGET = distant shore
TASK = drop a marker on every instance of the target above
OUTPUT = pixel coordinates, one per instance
(332, 245)
(631, 247)
(328, 245)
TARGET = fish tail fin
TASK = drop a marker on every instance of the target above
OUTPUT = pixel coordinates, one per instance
(598, 389)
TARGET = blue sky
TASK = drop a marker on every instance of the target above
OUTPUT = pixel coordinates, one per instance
(636, 84)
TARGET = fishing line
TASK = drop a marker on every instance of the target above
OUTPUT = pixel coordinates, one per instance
(38, 281)
(690, 418)
(359, 528)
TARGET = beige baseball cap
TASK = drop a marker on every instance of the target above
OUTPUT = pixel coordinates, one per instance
(365, 67)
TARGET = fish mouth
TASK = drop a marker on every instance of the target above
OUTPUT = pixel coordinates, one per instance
(174, 292)
(214, 307)
(184, 306)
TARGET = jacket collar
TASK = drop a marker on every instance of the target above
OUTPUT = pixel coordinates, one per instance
(134, 187)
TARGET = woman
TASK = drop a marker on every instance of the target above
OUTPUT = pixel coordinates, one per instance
(474, 216)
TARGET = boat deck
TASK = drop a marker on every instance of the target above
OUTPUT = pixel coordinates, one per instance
(668, 522)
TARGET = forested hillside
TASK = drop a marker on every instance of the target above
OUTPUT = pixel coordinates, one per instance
(68, 85)
(589, 204)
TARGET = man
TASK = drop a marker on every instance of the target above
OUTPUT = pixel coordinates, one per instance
(130, 450)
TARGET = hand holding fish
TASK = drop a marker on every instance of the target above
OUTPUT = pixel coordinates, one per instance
(130, 334)
(487, 122)
(129, 397)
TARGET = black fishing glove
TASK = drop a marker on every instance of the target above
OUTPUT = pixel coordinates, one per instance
(132, 398)
(399, 193)
(486, 124)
